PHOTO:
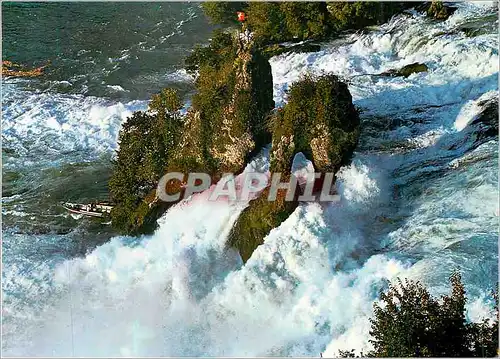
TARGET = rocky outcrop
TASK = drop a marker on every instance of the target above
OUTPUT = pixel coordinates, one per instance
(16, 70)
(242, 127)
(227, 121)
(439, 11)
(321, 122)
(278, 49)
(224, 127)
(406, 70)
(485, 126)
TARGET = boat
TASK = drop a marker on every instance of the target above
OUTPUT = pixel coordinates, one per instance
(95, 209)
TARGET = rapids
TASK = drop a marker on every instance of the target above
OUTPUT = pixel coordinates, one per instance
(419, 200)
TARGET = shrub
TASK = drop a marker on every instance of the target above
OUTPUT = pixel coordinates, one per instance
(411, 323)
(220, 50)
(222, 12)
(356, 15)
(267, 22)
(282, 21)
(274, 22)
(257, 220)
(234, 95)
(321, 119)
(306, 20)
(146, 140)
(220, 131)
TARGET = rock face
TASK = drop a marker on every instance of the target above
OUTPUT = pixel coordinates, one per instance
(15, 70)
(485, 126)
(321, 122)
(222, 129)
(227, 121)
(439, 11)
(278, 49)
(406, 70)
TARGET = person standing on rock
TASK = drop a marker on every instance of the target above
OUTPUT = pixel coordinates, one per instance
(245, 35)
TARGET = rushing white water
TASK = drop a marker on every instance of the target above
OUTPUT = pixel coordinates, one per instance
(413, 205)
(50, 128)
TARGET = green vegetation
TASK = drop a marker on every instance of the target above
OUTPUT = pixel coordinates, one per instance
(273, 22)
(235, 94)
(409, 322)
(321, 122)
(412, 69)
(228, 120)
(222, 12)
(220, 50)
(282, 21)
(257, 220)
(359, 14)
(146, 140)
(225, 124)
(277, 49)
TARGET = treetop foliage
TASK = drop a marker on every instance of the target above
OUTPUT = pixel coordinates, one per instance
(274, 22)
(409, 322)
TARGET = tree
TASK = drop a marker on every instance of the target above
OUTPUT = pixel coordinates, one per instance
(484, 335)
(220, 50)
(146, 141)
(306, 20)
(345, 15)
(282, 21)
(409, 322)
(267, 22)
(273, 22)
(222, 12)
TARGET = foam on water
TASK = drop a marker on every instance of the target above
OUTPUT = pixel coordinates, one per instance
(182, 292)
(418, 212)
(471, 109)
(51, 127)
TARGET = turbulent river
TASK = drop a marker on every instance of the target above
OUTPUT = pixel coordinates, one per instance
(419, 200)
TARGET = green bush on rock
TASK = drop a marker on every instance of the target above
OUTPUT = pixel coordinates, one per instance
(227, 120)
(222, 12)
(406, 70)
(257, 220)
(320, 121)
(358, 14)
(146, 140)
(274, 22)
(221, 49)
(224, 126)
(282, 21)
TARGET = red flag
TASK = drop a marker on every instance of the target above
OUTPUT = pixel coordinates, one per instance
(241, 16)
